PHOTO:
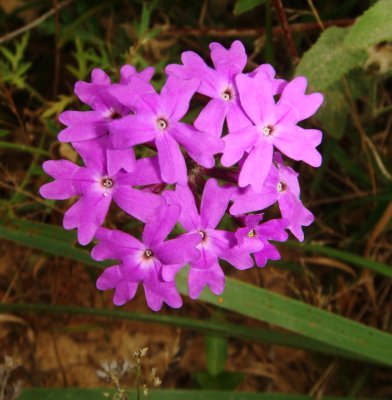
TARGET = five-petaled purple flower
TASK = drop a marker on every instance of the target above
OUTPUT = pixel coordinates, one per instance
(273, 125)
(129, 120)
(97, 188)
(215, 243)
(143, 261)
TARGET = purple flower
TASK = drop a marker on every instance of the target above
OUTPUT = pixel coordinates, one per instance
(142, 261)
(215, 244)
(86, 125)
(157, 119)
(96, 188)
(282, 185)
(255, 234)
(274, 125)
(219, 84)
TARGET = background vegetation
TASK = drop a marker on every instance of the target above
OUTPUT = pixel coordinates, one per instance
(313, 324)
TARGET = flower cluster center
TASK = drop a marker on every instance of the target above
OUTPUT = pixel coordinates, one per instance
(161, 124)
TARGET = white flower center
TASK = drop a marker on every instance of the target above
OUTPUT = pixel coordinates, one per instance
(148, 253)
(252, 233)
(107, 183)
(267, 131)
(161, 124)
(281, 186)
(227, 94)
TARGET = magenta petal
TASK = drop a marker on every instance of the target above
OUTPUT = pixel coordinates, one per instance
(117, 159)
(201, 146)
(301, 105)
(236, 117)
(231, 61)
(273, 229)
(295, 213)
(171, 160)
(100, 77)
(226, 248)
(125, 291)
(194, 67)
(157, 292)
(269, 252)
(184, 197)
(247, 200)
(114, 244)
(60, 169)
(293, 142)
(158, 227)
(87, 214)
(176, 95)
(214, 203)
(237, 143)
(256, 97)
(58, 190)
(146, 172)
(109, 278)
(212, 276)
(139, 204)
(130, 95)
(93, 153)
(131, 130)
(256, 166)
(180, 250)
(85, 131)
(212, 117)
(169, 271)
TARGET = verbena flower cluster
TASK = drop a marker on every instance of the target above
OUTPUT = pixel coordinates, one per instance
(228, 162)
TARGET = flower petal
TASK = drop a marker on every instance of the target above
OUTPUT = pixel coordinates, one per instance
(171, 160)
(212, 117)
(214, 203)
(256, 166)
(180, 250)
(231, 61)
(160, 224)
(184, 197)
(200, 146)
(139, 204)
(237, 143)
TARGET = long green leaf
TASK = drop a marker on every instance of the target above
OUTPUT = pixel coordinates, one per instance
(273, 308)
(354, 259)
(169, 394)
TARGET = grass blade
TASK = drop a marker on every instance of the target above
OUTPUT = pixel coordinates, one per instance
(353, 259)
(168, 394)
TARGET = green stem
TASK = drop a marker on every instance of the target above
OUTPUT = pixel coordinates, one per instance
(23, 148)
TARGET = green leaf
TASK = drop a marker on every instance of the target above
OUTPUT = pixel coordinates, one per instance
(354, 259)
(216, 349)
(334, 112)
(261, 304)
(168, 394)
(327, 61)
(224, 381)
(242, 6)
(373, 27)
